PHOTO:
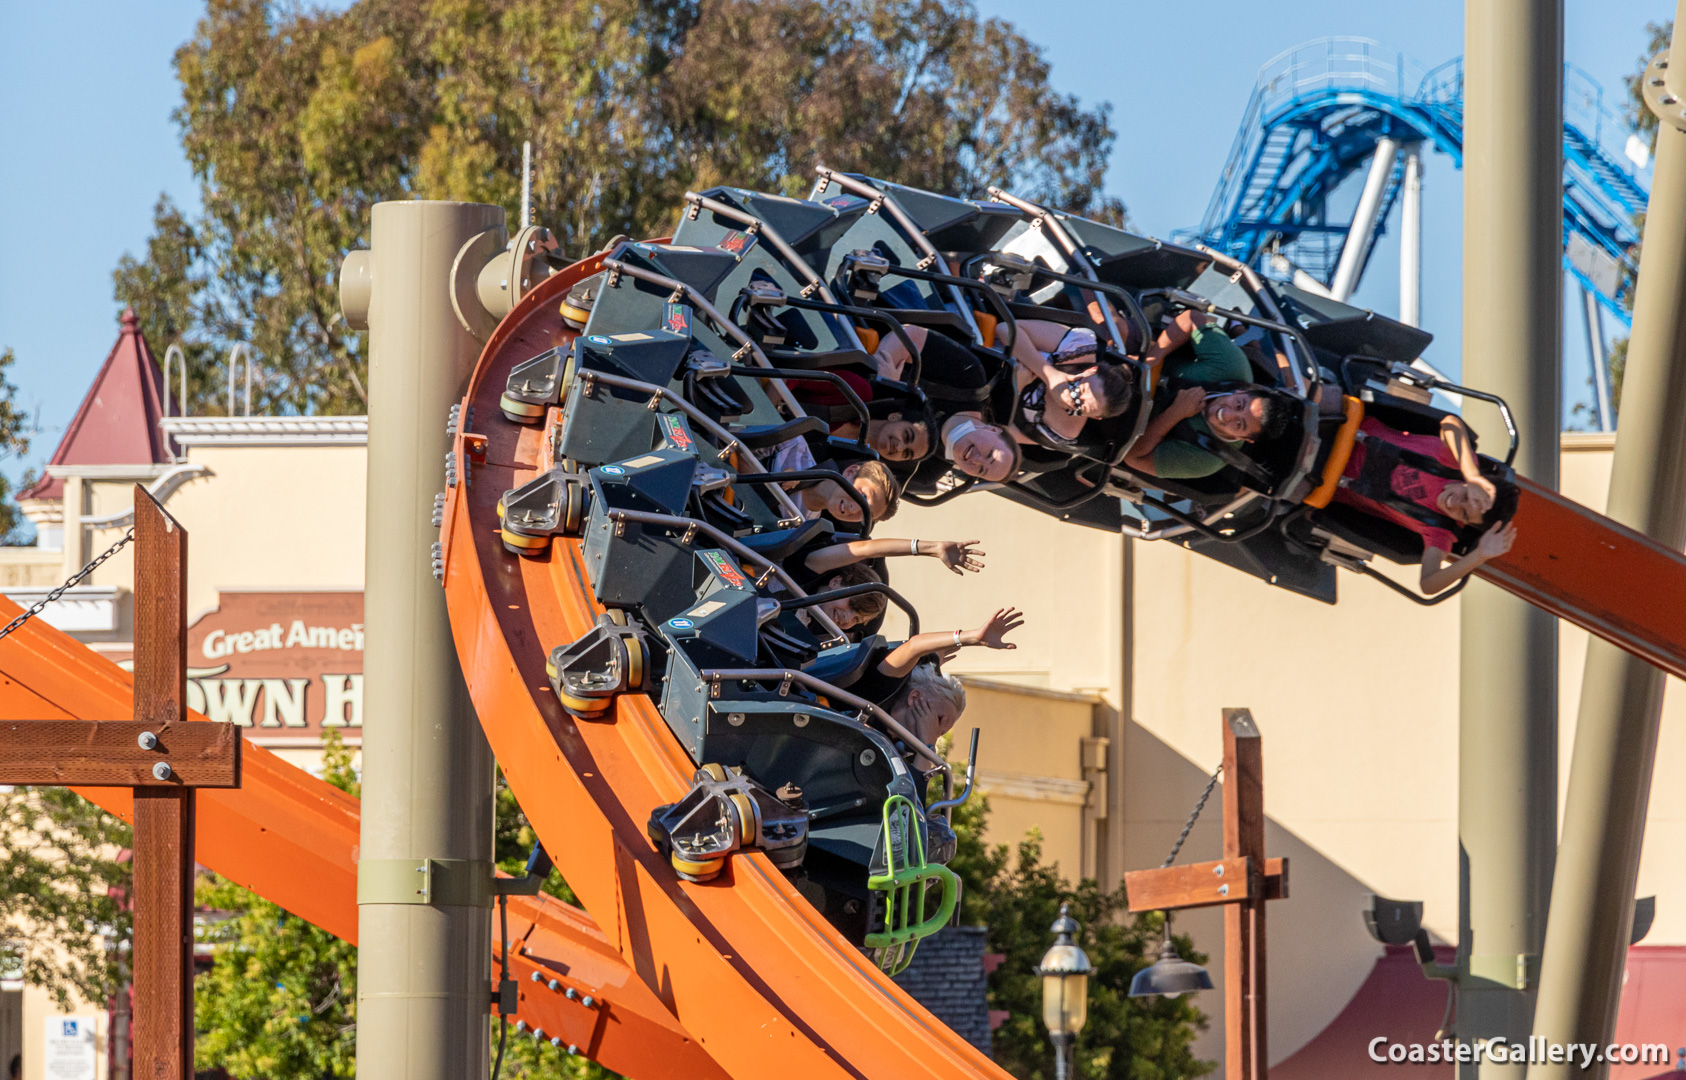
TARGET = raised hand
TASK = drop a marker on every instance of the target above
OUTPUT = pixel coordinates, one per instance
(958, 555)
(1496, 541)
(993, 633)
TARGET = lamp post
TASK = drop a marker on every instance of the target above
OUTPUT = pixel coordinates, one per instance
(1065, 990)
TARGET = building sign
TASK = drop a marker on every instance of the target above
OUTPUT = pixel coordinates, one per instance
(69, 1048)
(288, 666)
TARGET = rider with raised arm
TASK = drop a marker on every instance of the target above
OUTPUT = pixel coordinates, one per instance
(887, 673)
(929, 703)
(1059, 383)
(1208, 397)
(1431, 485)
(957, 555)
(838, 566)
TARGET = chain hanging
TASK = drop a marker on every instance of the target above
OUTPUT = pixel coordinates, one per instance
(1192, 818)
(41, 604)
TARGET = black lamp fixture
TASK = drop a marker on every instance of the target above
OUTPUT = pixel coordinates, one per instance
(1065, 971)
(1170, 975)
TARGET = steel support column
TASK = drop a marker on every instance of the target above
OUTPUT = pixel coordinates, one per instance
(1598, 358)
(1622, 696)
(1512, 329)
(1364, 221)
(424, 871)
(1411, 238)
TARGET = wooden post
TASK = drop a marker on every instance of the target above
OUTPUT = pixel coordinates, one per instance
(1244, 922)
(164, 759)
(163, 911)
(1241, 882)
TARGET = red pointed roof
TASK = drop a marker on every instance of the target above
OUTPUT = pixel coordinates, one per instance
(117, 423)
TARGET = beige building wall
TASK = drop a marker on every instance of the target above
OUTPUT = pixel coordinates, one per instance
(37, 1009)
(262, 516)
(1357, 703)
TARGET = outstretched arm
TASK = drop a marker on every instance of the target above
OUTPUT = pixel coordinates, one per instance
(991, 634)
(1438, 574)
(1187, 403)
(957, 555)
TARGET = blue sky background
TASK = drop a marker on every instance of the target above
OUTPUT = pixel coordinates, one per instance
(87, 144)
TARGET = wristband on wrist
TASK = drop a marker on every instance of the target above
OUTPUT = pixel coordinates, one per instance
(957, 639)
(913, 547)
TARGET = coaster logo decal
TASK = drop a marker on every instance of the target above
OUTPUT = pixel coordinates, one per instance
(675, 432)
(737, 243)
(723, 567)
(677, 319)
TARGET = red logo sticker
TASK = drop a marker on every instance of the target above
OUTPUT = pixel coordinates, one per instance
(728, 573)
(736, 243)
(676, 433)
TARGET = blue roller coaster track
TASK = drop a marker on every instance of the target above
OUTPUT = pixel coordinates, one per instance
(1319, 112)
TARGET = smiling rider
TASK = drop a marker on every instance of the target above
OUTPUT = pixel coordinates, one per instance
(1198, 398)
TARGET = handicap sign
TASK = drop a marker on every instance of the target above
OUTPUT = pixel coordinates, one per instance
(598, 339)
(681, 624)
(68, 1050)
(613, 470)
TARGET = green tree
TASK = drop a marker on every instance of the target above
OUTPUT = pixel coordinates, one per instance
(280, 1000)
(296, 121)
(14, 442)
(65, 877)
(1017, 897)
(513, 839)
(1644, 121)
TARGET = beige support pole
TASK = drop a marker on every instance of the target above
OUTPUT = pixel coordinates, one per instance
(1621, 696)
(424, 872)
(1507, 744)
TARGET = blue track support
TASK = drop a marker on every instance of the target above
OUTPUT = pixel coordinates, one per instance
(1315, 117)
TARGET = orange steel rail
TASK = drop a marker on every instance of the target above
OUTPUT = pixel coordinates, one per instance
(292, 839)
(1600, 575)
(768, 987)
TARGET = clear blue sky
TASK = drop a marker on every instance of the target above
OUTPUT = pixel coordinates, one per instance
(87, 144)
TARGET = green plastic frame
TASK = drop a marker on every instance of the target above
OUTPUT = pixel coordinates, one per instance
(904, 887)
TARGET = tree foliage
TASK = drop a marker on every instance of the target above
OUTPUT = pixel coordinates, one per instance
(280, 1000)
(1017, 897)
(297, 120)
(1644, 121)
(513, 839)
(14, 442)
(65, 875)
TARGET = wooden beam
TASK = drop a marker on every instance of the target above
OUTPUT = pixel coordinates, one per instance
(163, 945)
(1245, 1051)
(163, 934)
(95, 753)
(1173, 888)
(160, 614)
(1191, 885)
